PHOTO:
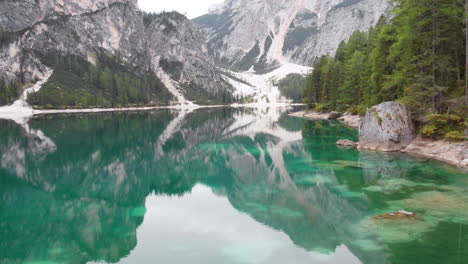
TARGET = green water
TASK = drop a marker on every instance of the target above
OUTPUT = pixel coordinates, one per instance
(218, 186)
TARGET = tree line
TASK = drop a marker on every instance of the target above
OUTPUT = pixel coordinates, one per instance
(9, 92)
(107, 83)
(417, 57)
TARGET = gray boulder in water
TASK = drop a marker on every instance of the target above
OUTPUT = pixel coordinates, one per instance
(386, 127)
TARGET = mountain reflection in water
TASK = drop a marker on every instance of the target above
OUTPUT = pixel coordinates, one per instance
(217, 186)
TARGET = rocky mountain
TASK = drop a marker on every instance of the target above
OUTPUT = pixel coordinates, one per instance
(106, 49)
(262, 34)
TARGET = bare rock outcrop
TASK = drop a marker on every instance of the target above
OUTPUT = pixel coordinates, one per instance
(386, 127)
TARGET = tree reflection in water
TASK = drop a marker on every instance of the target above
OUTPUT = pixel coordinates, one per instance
(75, 188)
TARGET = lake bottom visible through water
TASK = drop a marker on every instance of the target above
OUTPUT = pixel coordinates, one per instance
(219, 186)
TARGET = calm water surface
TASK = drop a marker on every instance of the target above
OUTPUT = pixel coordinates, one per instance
(218, 186)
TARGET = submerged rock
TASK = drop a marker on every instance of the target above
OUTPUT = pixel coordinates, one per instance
(402, 214)
(311, 115)
(386, 127)
(346, 143)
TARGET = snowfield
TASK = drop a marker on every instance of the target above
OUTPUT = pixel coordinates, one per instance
(20, 111)
(174, 89)
(263, 88)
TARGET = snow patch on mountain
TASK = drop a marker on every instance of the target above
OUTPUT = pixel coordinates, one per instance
(263, 88)
(20, 111)
(175, 90)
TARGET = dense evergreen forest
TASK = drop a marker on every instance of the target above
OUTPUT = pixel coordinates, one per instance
(417, 57)
(79, 84)
(291, 87)
(8, 91)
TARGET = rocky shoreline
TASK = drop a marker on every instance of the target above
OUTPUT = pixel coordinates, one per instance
(455, 153)
(347, 118)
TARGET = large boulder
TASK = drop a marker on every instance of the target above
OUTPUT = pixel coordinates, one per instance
(386, 127)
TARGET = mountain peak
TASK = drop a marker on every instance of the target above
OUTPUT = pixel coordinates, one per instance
(261, 34)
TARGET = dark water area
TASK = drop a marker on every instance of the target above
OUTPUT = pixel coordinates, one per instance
(218, 186)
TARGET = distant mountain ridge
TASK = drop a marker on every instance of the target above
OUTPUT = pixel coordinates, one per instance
(39, 35)
(108, 53)
(260, 35)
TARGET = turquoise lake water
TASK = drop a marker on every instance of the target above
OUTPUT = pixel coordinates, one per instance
(218, 186)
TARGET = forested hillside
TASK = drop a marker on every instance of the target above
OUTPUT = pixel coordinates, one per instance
(104, 53)
(77, 83)
(416, 57)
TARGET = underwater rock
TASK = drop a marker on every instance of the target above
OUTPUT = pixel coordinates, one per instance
(386, 127)
(311, 115)
(440, 206)
(402, 214)
(346, 143)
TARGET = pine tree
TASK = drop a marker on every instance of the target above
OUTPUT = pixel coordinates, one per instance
(351, 89)
(466, 53)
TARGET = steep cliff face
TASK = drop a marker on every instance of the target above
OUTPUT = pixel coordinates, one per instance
(115, 29)
(245, 33)
(35, 11)
(177, 46)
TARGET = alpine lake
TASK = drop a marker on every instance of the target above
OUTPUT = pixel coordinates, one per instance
(221, 185)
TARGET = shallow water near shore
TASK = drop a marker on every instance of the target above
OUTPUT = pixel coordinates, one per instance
(218, 186)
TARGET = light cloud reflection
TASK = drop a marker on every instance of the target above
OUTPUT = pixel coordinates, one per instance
(205, 227)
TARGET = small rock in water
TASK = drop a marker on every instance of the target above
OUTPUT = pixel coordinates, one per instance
(334, 115)
(405, 212)
(346, 143)
(402, 214)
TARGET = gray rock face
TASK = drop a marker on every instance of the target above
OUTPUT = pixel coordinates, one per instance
(118, 28)
(257, 33)
(34, 11)
(178, 47)
(83, 33)
(386, 127)
(339, 23)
